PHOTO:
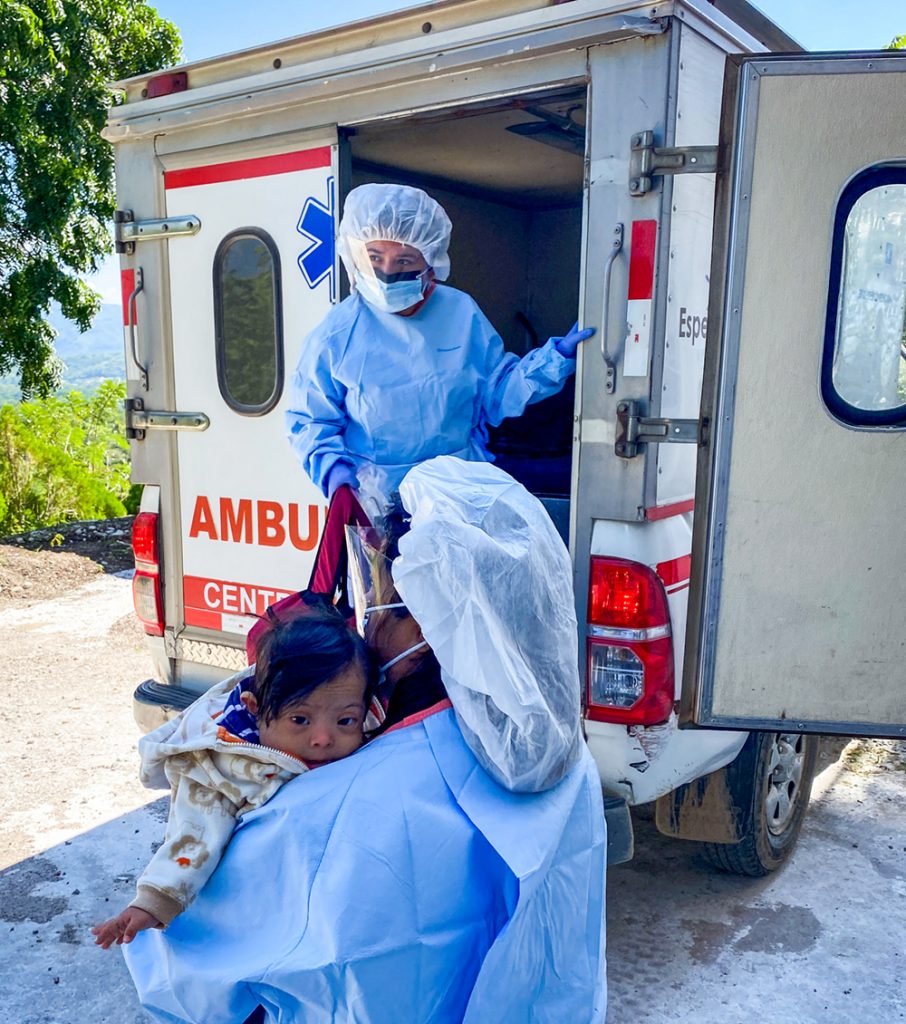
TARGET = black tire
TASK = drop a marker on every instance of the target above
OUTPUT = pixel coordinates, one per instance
(770, 783)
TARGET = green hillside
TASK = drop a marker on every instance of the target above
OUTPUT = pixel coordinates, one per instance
(89, 358)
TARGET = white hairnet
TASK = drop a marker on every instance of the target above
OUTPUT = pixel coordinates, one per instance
(396, 213)
(489, 581)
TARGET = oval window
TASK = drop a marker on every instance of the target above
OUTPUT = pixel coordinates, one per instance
(248, 321)
(864, 371)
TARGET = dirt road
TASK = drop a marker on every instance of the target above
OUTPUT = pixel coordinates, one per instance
(825, 940)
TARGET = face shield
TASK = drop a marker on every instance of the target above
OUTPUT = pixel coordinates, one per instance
(390, 292)
(392, 213)
(381, 617)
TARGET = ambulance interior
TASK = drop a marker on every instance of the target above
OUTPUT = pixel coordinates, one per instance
(510, 174)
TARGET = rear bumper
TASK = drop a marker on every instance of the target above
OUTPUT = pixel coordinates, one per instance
(153, 703)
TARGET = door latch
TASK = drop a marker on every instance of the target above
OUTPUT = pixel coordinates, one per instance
(633, 430)
(139, 419)
(646, 161)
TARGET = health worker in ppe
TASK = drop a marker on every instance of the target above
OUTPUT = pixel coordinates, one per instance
(406, 368)
(405, 882)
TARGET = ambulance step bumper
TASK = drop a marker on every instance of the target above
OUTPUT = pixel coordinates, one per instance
(620, 844)
(153, 703)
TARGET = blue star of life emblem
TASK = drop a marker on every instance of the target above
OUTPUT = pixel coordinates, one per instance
(318, 261)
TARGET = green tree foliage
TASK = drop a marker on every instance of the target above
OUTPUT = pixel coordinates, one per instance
(898, 43)
(56, 172)
(64, 458)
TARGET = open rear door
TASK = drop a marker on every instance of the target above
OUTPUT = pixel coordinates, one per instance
(797, 617)
(244, 293)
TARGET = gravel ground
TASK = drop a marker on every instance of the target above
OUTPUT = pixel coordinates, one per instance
(77, 822)
(39, 565)
(824, 940)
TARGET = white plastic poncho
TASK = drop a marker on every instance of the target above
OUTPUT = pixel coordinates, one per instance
(487, 577)
(394, 213)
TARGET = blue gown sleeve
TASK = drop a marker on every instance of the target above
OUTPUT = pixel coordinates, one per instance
(511, 383)
(316, 416)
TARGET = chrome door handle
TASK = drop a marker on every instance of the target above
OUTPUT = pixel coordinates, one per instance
(610, 376)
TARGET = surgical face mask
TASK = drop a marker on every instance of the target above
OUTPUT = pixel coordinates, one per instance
(409, 650)
(405, 654)
(377, 608)
(392, 295)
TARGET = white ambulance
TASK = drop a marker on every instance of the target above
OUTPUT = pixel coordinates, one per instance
(577, 147)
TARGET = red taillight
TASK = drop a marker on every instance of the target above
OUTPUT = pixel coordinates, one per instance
(144, 542)
(146, 594)
(625, 595)
(630, 652)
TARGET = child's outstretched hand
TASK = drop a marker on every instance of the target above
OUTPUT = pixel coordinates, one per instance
(123, 928)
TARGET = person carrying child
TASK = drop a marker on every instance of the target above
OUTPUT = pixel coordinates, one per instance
(306, 702)
(452, 870)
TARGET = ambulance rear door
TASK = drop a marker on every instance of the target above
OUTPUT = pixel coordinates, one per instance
(245, 291)
(797, 617)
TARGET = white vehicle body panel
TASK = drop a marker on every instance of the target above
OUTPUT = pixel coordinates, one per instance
(250, 520)
(691, 221)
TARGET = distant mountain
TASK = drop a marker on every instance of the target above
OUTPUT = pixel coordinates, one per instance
(89, 358)
(104, 336)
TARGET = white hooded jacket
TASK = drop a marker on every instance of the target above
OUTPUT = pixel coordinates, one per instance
(213, 778)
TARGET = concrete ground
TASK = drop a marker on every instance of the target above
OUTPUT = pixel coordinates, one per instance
(823, 940)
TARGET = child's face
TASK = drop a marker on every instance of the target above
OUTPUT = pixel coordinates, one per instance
(326, 725)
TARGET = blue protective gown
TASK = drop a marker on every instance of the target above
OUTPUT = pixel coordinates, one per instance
(398, 885)
(381, 390)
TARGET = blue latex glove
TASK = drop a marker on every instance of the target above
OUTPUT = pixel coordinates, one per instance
(341, 473)
(567, 345)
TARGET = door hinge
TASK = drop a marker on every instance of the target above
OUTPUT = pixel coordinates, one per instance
(647, 161)
(128, 230)
(139, 419)
(633, 430)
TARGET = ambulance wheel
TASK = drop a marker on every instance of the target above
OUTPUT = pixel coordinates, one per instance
(770, 782)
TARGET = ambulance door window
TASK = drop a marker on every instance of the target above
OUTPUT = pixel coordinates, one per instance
(864, 371)
(248, 321)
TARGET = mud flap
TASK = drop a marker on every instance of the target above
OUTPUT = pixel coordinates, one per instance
(704, 810)
(620, 841)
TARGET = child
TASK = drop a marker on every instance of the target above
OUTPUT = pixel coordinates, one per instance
(302, 705)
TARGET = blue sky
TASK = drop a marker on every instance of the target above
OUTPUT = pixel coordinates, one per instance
(210, 27)
(217, 26)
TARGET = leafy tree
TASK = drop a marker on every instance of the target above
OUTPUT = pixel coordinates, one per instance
(897, 43)
(56, 172)
(64, 458)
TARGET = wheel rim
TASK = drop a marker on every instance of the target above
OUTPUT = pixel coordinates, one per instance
(784, 773)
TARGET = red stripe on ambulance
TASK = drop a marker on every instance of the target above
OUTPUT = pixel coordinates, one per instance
(268, 524)
(127, 284)
(677, 508)
(206, 600)
(255, 167)
(639, 302)
(674, 574)
(641, 259)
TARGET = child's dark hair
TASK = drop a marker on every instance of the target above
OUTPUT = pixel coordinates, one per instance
(302, 651)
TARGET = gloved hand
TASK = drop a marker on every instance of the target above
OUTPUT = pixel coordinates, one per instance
(567, 345)
(341, 473)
